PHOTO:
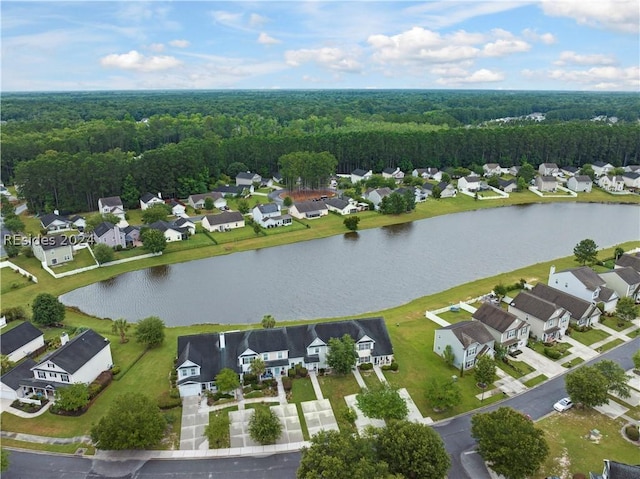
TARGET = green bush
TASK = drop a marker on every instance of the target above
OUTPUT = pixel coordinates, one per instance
(386, 367)
(115, 370)
(168, 402)
(350, 415)
(632, 432)
(321, 371)
(174, 393)
(287, 383)
(552, 353)
(249, 378)
(394, 366)
(14, 314)
(365, 367)
(291, 373)
(302, 372)
(269, 383)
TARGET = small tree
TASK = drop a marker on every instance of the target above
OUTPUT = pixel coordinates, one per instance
(268, 321)
(257, 367)
(157, 212)
(5, 364)
(14, 224)
(485, 372)
(443, 394)
(636, 359)
(73, 397)
(134, 421)
(288, 201)
(587, 386)
(150, 332)
(47, 310)
(257, 229)
(154, 240)
(586, 252)
(448, 355)
(243, 206)
(626, 309)
(121, 326)
(342, 356)
(509, 442)
(264, 426)
(103, 253)
(436, 192)
(208, 203)
(587, 170)
(500, 290)
(616, 377)
(383, 402)
(227, 380)
(352, 223)
(618, 252)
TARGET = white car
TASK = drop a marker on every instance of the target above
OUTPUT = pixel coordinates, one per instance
(563, 405)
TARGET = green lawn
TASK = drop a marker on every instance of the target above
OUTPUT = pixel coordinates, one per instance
(370, 379)
(60, 448)
(516, 369)
(612, 323)
(455, 316)
(589, 337)
(567, 433)
(538, 347)
(11, 280)
(81, 259)
(335, 388)
(535, 380)
(609, 345)
(573, 362)
(302, 390)
(303, 422)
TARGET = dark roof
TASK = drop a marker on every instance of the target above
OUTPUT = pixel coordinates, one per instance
(246, 176)
(232, 189)
(18, 374)
(148, 197)
(389, 171)
(550, 165)
(534, 305)
(359, 172)
(472, 179)
(606, 294)
(308, 206)
(628, 275)
(75, 218)
(577, 307)
(224, 217)
(53, 242)
(586, 276)
(495, 317)
(77, 352)
(336, 203)
(628, 260)
(631, 174)
(384, 191)
(582, 179)
(181, 222)
(600, 164)
(268, 208)
(469, 332)
(214, 195)
(129, 229)
(111, 201)
(548, 179)
(17, 337)
(164, 226)
(618, 470)
(103, 228)
(49, 218)
(504, 183)
(571, 169)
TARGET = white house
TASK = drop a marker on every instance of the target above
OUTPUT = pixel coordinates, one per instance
(270, 216)
(546, 183)
(202, 356)
(21, 341)
(375, 196)
(470, 183)
(54, 222)
(601, 168)
(508, 186)
(224, 221)
(358, 175)
(548, 169)
(113, 205)
(340, 206)
(177, 208)
(580, 183)
(469, 340)
(582, 313)
(10, 382)
(247, 178)
(569, 171)
(149, 199)
(611, 183)
(491, 169)
(584, 283)
(170, 231)
(507, 330)
(186, 222)
(624, 281)
(197, 201)
(631, 180)
(547, 321)
(308, 210)
(394, 173)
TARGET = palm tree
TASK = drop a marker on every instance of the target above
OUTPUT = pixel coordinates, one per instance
(121, 326)
(258, 367)
(268, 321)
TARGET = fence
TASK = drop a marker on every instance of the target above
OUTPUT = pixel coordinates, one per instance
(23, 272)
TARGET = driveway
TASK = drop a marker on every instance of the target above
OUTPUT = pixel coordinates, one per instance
(193, 424)
(542, 363)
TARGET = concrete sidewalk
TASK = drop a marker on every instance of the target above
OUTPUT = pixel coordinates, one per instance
(316, 385)
(541, 363)
(580, 350)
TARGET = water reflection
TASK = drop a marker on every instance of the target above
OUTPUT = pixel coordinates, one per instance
(397, 230)
(352, 236)
(158, 272)
(110, 282)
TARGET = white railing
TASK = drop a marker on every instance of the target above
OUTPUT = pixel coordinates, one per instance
(24, 272)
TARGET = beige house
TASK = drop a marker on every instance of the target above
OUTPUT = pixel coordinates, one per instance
(225, 221)
(53, 250)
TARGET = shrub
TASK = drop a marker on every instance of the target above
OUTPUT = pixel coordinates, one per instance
(269, 383)
(350, 415)
(287, 383)
(291, 373)
(302, 372)
(552, 353)
(394, 366)
(165, 401)
(365, 367)
(322, 371)
(632, 432)
(249, 378)
(386, 367)
(115, 370)
(14, 314)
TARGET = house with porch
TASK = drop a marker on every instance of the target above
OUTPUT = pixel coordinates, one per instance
(131, 235)
(197, 201)
(307, 210)
(580, 183)
(469, 340)
(147, 200)
(359, 175)
(507, 330)
(624, 281)
(109, 234)
(54, 222)
(547, 321)
(177, 208)
(427, 173)
(113, 205)
(10, 382)
(53, 250)
(394, 173)
(21, 341)
(247, 178)
(186, 222)
(584, 283)
(225, 221)
(80, 360)
(546, 183)
(78, 222)
(582, 313)
(611, 183)
(342, 207)
(202, 356)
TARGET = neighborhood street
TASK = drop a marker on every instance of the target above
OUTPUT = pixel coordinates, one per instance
(537, 402)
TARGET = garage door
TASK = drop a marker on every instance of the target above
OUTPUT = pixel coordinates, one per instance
(189, 390)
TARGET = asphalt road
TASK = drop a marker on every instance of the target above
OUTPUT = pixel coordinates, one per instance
(537, 402)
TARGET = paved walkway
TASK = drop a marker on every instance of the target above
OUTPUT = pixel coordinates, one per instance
(380, 374)
(5, 406)
(359, 380)
(616, 334)
(541, 363)
(194, 422)
(578, 349)
(282, 394)
(316, 385)
(508, 384)
(43, 439)
(319, 416)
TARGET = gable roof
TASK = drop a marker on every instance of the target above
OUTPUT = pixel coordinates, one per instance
(359, 172)
(336, 203)
(550, 165)
(472, 179)
(22, 371)
(492, 166)
(268, 208)
(148, 197)
(382, 192)
(224, 217)
(164, 226)
(600, 164)
(534, 305)
(236, 190)
(504, 183)
(49, 218)
(547, 179)
(588, 277)
(183, 222)
(495, 317)
(627, 274)
(77, 352)
(308, 206)
(54, 241)
(103, 228)
(111, 201)
(17, 337)
(632, 175)
(246, 175)
(390, 171)
(469, 332)
(570, 169)
(582, 179)
(618, 470)
(215, 195)
(577, 307)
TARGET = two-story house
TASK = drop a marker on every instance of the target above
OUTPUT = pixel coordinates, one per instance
(113, 205)
(582, 313)
(548, 322)
(546, 183)
(611, 183)
(624, 281)
(584, 283)
(507, 330)
(53, 250)
(109, 234)
(491, 169)
(627, 260)
(580, 183)
(548, 169)
(270, 216)
(471, 183)
(247, 178)
(631, 180)
(394, 173)
(469, 340)
(201, 357)
(359, 175)
(600, 168)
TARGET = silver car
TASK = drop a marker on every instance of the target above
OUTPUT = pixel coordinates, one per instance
(563, 405)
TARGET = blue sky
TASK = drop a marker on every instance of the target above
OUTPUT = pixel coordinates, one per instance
(527, 45)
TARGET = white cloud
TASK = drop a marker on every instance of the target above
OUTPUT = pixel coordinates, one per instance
(457, 77)
(334, 59)
(503, 47)
(225, 17)
(266, 39)
(138, 62)
(615, 77)
(618, 15)
(156, 47)
(440, 14)
(179, 43)
(573, 58)
(534, 36)
(256, 20)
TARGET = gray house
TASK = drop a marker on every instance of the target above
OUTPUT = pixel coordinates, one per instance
(583, 313)
(469, 340)
(109, 234)
(247, 179)
(53, 250)
(548, 322)
(506, 328)
(580, 183)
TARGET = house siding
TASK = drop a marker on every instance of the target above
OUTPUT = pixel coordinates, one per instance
(26, 349)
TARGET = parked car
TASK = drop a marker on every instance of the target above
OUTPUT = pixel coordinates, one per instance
(563, 405)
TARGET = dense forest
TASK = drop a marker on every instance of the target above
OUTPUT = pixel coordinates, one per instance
(66, 150)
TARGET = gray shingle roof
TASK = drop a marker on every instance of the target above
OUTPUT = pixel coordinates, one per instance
(631, 175)
(224, 217)
(359, 172)
(103, 228)
(214, 195)
(77, 352)
(628, 260)
(577, 307)
(54, 241)
(618, 470)
(389, 171)
(628, 275)
(583, 179)
(495, 317)
(230, 189)
(309, 206)
(336, 203)
(268, 208)
(17, 375)
(111, 201)
(148, 197)
(469, 332)
(534, 305)
(246, 175)
(17, 337)
(587, 276)
(49, 218)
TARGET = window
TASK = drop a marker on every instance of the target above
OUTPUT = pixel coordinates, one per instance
(316, 350)
(64, 378)
(193, 371)
(41, 375)
(265, 356)
(511, 334)
(183, 373)
(472, 351)
(247, 359)
(365, 346)
(280, 354)
(468, 364)
(53, 375)
(50, 365)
